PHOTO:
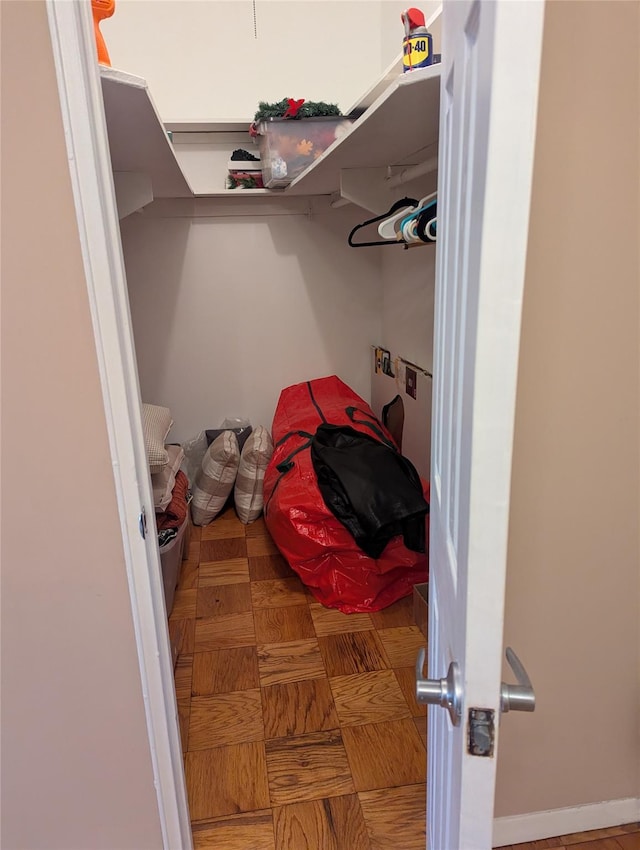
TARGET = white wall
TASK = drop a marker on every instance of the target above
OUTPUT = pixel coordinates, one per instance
(407, 331)
(202, 61)
(227, 311)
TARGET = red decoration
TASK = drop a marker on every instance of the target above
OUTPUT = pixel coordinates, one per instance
(293, 108)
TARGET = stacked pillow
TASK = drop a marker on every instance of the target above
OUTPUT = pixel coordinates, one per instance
(224, 468)
(156, 424)
(163, 482)
(164, 461)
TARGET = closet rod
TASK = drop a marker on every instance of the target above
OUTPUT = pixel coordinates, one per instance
(412, 172)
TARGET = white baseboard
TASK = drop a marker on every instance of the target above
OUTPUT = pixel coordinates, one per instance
(535, 825)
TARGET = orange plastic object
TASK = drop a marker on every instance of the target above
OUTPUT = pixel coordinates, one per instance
(102, 9)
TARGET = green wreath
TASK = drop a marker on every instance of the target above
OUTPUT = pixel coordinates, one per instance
(290, 108)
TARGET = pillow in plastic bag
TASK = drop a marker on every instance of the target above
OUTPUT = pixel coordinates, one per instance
(255, 456)
(215, 480)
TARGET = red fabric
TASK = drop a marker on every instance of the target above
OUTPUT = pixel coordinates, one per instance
(176, 511)
(316, 544)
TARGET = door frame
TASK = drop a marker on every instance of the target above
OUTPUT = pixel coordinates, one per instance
(79, 87)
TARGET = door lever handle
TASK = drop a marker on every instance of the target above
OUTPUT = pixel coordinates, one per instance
(444, 692)
(520, 697)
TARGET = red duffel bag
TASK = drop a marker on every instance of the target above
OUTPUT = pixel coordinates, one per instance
(315, 543)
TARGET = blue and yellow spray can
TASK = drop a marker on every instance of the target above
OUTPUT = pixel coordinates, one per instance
(417, 45)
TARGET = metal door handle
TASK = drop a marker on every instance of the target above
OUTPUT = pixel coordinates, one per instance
(520, 697)
(445, 692)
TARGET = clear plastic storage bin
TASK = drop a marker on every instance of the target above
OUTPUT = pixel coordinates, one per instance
(289, 146)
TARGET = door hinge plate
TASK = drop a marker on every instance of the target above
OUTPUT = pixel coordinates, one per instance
(481, 734)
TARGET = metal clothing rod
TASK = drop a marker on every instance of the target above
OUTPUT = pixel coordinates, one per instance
(412, 172)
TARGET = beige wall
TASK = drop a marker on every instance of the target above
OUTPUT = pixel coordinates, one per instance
(572, 596)
(76, 767)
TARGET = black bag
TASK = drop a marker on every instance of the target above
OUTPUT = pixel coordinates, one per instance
(370, 487)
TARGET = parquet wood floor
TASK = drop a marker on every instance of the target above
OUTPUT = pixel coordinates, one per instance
(299, 725)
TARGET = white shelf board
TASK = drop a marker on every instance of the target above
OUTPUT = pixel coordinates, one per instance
(208, 126)
(399, 128)
(226, 193)
(137, 138)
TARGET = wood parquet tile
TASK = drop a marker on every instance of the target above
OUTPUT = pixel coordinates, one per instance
(352, 652)
(406, 677)
(369, 698)
(182, 634)
(297, 708)
(189, 572)
(335, 823)
(184, 604)
(222, 531)
(227, 780)
(247, 831)
(265, 567)
(183, 675)
(385, 755)
(257, 528)
(223, 719)
(231, 571)
(224, 631)
(225, 670)
(223, 599)
(293, 716)
(261, 546)
(398, 614)
(330, 621)
(223, 549)
(278, 592)
(280, 625)
(402, 644)
(421, 725)
(289, 662)
(395, 817)
(307, 767)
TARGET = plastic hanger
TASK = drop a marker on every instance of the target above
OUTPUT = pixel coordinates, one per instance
(387, 228)
(403, 203)
(419, 226)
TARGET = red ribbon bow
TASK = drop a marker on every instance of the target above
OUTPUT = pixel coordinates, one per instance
(294, 106)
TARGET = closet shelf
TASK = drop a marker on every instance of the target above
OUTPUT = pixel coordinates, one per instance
(397, 125)
(137, 138)
(399, 128)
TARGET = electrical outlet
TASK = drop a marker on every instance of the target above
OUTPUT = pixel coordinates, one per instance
(411, 384)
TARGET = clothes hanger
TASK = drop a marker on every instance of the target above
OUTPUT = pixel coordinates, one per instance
(387, 228)
(426, 227)
(419, 226)
(402, 203)
(390, 229)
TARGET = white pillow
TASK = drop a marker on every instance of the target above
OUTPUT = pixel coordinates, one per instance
(156, 424)
(214, 481)
(248, 493)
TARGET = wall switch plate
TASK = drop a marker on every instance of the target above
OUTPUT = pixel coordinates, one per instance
(412, 382)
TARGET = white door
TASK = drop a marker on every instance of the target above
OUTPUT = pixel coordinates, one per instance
(491, 62)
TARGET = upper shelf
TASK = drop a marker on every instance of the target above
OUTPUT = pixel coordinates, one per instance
(138, 140)
(399, 128)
